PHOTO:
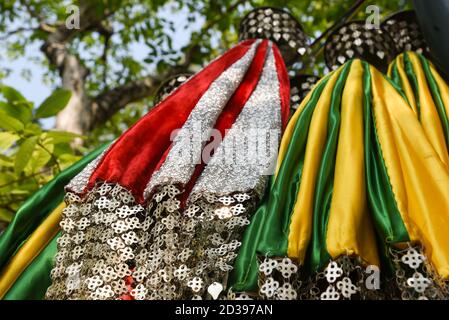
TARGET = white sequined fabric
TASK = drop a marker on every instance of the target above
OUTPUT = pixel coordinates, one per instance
(114, 248)
(187, 146)
(80, 181)
(248, 152)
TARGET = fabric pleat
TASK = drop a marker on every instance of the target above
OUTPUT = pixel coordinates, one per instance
(131, 164)
(419, 178)
(38, 240)
(427, 94)
(349, 228)
(35, 279)
(361, 172)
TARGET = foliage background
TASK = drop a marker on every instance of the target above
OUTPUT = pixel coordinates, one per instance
(100, 85)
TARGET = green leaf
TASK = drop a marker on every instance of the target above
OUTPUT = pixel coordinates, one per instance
(5, 161)
(63, 136)
(20, 111)
(23, 156)
(32, 129)
(19, 192)
(40, 156)
(5, 215)
(6, 178)
(68, 159)
(7, 139)
(53, 104)
(11, 94)
(9, 123)
(62, 148)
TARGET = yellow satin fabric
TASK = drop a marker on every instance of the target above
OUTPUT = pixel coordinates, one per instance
(301, 220)
(408, 90)
(288, 133)
(418, 176)
(350, 229)
(30, 249)
(429, 117)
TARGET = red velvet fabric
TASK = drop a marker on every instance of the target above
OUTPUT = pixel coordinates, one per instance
(140, 151)
(134, 156)
(232, 109)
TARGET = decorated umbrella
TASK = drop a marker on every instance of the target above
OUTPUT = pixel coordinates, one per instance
(360, 186)
(153, 206)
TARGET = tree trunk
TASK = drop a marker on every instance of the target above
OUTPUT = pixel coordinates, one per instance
(76, 116)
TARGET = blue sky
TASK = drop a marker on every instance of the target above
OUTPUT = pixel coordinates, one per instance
(36, 90)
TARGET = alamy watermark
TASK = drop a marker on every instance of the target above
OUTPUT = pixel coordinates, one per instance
(373, 19)
(247, 148)
(73, 19)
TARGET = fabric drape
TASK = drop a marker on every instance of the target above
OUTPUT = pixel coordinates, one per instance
(361, 172)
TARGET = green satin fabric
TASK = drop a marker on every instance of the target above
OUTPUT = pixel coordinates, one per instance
(444, 118)
(413, 81)
(37, 207)
(267, 235)
(274, 237)
(317, 252)
(432, 84)
(383, 206)
(395, 75)
(35, 279)
(269, 228)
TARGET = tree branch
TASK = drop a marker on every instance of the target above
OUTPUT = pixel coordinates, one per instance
(83, 113)
(13, 32)
(77, 115)
(109, 102)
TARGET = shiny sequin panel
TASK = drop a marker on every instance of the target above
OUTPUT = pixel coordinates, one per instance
(355, 40)
(300, 86)
(188, 143)
(248, 152)
(169, 86)
(113, 248)
(103, 235)
(196, 247)
(80, 181)
(404, 28)
(278, 26)
(415, 277)
(348, 278)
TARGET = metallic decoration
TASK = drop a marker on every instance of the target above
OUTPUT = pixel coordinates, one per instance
(108, 238)
(415, 276)
(169, 86)
(80, 181)
(404, 28)
(300, 86)
(355, 39)
(203, 115)
(248, 170)
(278, 26)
